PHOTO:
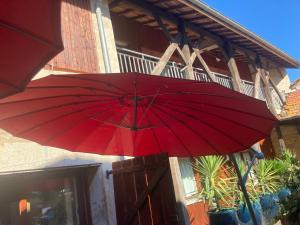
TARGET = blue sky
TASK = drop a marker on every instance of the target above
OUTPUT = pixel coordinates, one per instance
(277, 21)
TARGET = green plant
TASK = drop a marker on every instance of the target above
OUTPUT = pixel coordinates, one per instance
(267, 174)
(291, 168)
(217, 188)
(251, 184)
(290, 207)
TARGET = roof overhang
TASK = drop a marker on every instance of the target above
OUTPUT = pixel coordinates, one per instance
(204, 19)
(292, 120)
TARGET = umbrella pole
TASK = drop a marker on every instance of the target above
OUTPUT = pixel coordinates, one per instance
(244, 190)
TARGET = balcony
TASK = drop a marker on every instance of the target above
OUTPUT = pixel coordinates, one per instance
(132, 61)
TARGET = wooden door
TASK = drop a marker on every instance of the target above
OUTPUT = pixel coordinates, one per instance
(144, 192)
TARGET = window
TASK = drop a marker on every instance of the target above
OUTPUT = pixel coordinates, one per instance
(43, 198)
(188, 178)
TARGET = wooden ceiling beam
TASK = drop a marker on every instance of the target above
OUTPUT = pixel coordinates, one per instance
(200, 20)
(174, 7)
(158, 2)
(171, 18)
(137, 17)
(148, 9)
(114, 3)
(125, 12)
(146, 23)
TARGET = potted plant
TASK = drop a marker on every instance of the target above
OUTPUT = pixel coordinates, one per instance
(252, 189)
(267, 175)
(218, 190)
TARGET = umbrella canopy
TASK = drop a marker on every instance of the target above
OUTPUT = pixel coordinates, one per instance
(29, 37)
(135, 115)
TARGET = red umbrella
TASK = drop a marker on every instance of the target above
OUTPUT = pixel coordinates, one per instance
(135, 115)
(29, 38)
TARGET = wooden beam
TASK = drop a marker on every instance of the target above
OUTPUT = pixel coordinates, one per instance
(265, 79)
(231, 63)
(124, 12)
(200, 20)
(257, 83)
(151, 21)
(164, 59)
(205, 66)
(114, 3)
(149, 9)
(137, 17)
(186, 55)
(163, 27)
(182, 55)
(282, 99)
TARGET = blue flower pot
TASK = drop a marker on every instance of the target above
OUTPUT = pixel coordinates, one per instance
(244, 214)
(224, 217)
(270, 206)
(284, 193)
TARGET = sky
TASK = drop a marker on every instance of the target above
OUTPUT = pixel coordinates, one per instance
(276, 21)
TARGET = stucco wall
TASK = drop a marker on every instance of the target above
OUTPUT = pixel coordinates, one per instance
(281, 79)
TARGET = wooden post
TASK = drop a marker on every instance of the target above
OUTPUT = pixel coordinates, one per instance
(164, 59)
(179, 191)
(257, 84)
(282, 98)
(265, 79)
(229, 56)
(205, 66)
(189, 64)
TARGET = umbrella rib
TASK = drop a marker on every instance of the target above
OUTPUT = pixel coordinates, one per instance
(94, 131)
(72, 87)
(166, 125)
(56, 118)
(49, 108)
(111, 124)
(211, 126)
(153, 133)
(98, 81)
(29, 34)
(71, 127)
(112, 136)
(223, 107)
(10, 84)
(220, 117)
(57, 96)
(197, 133)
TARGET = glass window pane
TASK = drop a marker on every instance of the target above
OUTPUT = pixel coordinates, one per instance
(187, 175)
(46, 202)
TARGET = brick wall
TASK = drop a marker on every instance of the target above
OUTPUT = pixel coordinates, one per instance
(292, 106)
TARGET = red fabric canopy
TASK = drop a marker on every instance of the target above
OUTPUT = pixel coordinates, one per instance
(29, 37)
(135, 115)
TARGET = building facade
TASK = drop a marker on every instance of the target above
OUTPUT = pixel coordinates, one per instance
(287, 133)
(174, 38)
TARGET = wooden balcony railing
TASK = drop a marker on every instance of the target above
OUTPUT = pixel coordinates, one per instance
(132, 61)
